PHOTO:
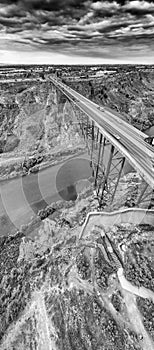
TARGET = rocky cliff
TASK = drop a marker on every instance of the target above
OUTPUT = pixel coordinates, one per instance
(129, 92)
(61, 293)
(36, 119)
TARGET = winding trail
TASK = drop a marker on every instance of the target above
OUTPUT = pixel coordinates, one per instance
(46, 329)
(130, 292)
(135, 317)
(127, 289)
(139, 291)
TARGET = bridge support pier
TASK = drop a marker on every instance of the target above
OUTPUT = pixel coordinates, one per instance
(92, 147)
(107, 163)
(146, 196)
(118, 178)
(98, 161)
(104, 184)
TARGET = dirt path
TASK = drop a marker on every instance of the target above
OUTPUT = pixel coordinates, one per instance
(6, 161)
(139, 291)
(135, 317)
(129, 292)
(132, 320)
(45, 325)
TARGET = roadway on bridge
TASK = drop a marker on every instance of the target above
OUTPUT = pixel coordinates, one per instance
(125, 137)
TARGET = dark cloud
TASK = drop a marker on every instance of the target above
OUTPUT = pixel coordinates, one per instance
(67, 25)
(113, 27)
(9, 22)
(13, 10)
(13, 30)
(49, 17)
(48, 5)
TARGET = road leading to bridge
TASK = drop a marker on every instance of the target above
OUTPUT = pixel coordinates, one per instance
(128, 140)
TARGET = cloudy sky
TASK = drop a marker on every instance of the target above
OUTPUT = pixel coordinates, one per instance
(76, 31)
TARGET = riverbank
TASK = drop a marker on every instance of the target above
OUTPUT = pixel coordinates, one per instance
(22, 197)
(13, 168)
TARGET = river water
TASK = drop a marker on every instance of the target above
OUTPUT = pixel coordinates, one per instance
(21, 198)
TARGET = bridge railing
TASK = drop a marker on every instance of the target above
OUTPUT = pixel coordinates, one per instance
(109, 169)
(109, 166)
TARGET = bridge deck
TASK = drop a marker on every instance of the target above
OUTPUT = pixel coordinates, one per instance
(125, 137)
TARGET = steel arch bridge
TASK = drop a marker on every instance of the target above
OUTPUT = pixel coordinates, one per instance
(102, 129)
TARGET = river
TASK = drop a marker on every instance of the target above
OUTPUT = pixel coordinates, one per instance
(21, 198)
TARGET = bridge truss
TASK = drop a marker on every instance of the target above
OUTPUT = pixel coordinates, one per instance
(109, 172)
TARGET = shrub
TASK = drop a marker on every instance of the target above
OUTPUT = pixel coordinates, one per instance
(11, 143)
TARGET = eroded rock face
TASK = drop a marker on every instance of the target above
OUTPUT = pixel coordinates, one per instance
(61, 293)
(130, 93)
(12, 142)
(39, 118)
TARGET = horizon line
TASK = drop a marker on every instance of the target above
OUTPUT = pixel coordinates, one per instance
(75, 64)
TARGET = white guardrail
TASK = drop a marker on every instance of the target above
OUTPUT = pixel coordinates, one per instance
(133, 216)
